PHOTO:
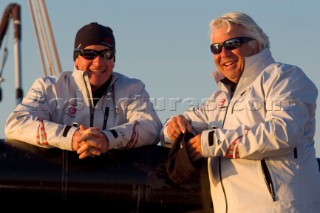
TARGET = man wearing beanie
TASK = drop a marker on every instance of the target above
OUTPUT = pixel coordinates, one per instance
(90, 110)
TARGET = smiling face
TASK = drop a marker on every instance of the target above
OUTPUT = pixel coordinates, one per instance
(231, 62)
(99, 70)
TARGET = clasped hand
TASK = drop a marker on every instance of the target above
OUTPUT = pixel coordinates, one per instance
(89, 142)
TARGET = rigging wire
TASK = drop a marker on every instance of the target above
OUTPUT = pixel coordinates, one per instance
(51, 37)
(44, 69)
(42, 27)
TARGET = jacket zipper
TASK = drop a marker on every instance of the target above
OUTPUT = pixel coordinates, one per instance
(222, 186)
(90, 104)
(107, 109)
(237, 101)
(268, 180)
(105, 120)
(220, 170)
(91, 115)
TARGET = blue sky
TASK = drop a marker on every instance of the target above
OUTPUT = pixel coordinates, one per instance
(164, 43)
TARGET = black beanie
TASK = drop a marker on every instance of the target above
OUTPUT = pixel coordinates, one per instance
(94, 34)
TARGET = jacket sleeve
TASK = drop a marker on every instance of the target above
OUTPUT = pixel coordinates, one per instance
(289, 120)
(139, 122)
(30, 121)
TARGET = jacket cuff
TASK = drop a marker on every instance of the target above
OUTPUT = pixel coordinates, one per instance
(69, 137)
(113, 138)
(207, 142)
(165, 139)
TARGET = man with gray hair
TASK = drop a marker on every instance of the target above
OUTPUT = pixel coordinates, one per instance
(256, 131)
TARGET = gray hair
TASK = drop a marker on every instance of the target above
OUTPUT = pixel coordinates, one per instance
(239, 18)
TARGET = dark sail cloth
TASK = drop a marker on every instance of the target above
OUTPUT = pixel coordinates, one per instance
(180, 168)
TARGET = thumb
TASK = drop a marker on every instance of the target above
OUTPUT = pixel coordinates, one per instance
(82, 127)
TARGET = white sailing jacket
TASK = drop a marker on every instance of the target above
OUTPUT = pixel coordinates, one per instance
(46, 116)
(259, 141)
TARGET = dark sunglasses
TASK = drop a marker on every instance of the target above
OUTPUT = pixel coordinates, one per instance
(92, 54)
(230, 44)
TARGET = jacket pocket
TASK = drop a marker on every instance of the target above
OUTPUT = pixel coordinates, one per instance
(268, 180)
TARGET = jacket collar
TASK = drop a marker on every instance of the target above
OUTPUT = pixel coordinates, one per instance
(254, 65)
(80, 75)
